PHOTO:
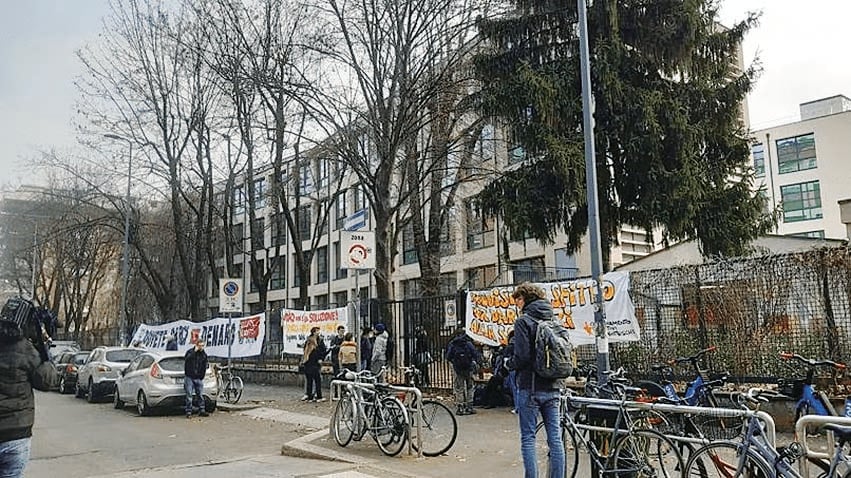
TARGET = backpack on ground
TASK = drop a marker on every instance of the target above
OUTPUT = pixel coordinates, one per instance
(553, 350)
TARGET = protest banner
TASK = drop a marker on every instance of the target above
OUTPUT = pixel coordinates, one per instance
(491, 313)
(247, 334)
(296, 326)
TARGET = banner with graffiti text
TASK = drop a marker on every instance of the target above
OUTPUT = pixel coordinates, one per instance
(246, 335)
(297, 325)
(491, 313)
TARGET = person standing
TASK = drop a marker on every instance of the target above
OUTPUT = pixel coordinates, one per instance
(464, 357)
(194, 370)
(379, 348)
(422, 355)
(171, 343)
(348, 354)
(314, 351)
(22, 368)
(535, 394)
(335, 349)
(366, 340)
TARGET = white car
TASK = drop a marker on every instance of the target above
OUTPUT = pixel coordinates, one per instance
(97, 377)
(155, 380)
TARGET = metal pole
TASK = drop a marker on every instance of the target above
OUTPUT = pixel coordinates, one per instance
(35, 259)
(591, 186)
(230, 337)
(125, 265)
(356, 318)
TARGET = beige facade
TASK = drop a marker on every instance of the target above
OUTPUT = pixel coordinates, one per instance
(803, 167)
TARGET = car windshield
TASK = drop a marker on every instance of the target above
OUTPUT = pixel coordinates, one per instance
(125, 356)
(80, 359)
(172, 364)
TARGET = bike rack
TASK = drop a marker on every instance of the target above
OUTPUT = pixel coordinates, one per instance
(770, 429)
(801, 437)
(338, 385)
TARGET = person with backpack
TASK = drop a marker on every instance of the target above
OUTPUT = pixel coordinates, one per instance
(464, 357)
(536, 349)
(336, 341)
(380, 348)
(314, 351)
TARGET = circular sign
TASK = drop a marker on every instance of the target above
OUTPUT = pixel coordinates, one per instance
(231, 288)
(357, 254)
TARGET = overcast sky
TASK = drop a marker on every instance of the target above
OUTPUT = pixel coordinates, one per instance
(801, 45)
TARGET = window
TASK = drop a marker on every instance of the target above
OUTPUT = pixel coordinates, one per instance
(260, 193)
(359, 198)
(448, 283)
(810, 234)
(279, 230)
(322, 266)
(758, 152)
(279, 274)
(305, 178)
(486, 142)
(341, 299)
(321, 301)
(801, 202)
(409, 248)
(796, 154)
(447, 239)
(258, 232)
(480, 277)
(479, 229)
(341, 210)
(237, 236)
(411, 288)
(322, 174)
(238, 200)
(259, 273)
(341, 273)
(303, 221)
(531, 270)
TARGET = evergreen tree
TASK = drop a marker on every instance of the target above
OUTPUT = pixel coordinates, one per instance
(672, 149)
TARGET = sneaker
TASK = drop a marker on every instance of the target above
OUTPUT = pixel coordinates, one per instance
(320, 399)
(470, 411)
(188, 415)
(204, 414)
(460, 412)
(305, 398)
(514, 411)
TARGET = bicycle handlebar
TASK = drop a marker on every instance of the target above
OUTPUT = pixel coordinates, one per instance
(692, 359)
(812, 362)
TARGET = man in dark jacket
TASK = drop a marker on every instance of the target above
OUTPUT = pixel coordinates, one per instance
(336, 341)
(465, 359)
(21, 370)
(194, 370)
(535, 393)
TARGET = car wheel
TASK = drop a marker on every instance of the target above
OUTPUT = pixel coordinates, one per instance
(142, 407)
(63, 388)
(210, 406)
(90, 392)
(116, 400)
(78, 392)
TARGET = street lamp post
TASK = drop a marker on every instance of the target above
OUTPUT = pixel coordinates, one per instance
(125, 263)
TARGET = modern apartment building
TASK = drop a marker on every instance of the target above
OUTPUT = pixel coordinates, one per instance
(803, 167)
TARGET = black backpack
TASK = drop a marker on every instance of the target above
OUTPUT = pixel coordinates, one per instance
(461, 355)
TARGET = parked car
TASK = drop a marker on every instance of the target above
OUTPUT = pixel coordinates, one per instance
(67, 365)
(97, 377)
(59, 347)
(155, 380)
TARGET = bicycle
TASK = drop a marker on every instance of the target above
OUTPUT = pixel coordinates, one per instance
(439, 427)
(628, 448)
(229, 385)
(368, 407)
(754, 457)
(809, 401)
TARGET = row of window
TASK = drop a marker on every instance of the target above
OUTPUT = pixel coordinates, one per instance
(793, 154)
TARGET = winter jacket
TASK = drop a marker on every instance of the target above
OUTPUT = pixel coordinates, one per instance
(348, 353)
(335, 349)
(171, 345)
(21, 370)
(366, 350)
(195, 364)
(379, 348)
(523, 361)
(457, 344)
(315, 352)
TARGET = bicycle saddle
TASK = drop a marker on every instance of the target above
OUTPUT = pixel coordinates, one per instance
(842, 433)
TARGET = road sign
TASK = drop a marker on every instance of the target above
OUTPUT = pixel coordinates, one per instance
(358, 249)
(450, 316)
(230, 295)
(356, 221)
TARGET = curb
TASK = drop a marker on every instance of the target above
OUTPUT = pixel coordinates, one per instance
(301, 448)
(230, 407)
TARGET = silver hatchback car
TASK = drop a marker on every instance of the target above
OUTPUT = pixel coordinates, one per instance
(155, 380)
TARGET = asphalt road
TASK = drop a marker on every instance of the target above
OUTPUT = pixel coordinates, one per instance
(73, 438)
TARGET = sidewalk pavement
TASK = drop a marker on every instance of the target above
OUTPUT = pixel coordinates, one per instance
(488, 443)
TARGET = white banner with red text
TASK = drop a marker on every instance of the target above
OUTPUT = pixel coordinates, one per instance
(491, 313)
(246, 335)
(296, 325)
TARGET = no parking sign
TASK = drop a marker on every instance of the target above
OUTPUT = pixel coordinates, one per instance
(230, 295)
(357, 249)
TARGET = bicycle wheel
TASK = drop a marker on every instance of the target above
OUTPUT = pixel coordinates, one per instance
(344, 421)
(390, 423)
(645, 453)
(233, 389)
(571, 452)
(721, 459)
(439, 428)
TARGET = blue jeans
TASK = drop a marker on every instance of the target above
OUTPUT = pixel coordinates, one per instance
(528, 405)
(193, 386)
(14, 455)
